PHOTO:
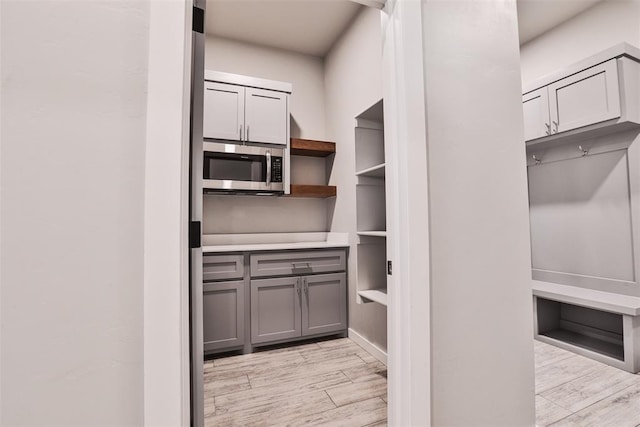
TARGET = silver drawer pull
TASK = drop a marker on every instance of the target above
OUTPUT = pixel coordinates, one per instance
(301, 265)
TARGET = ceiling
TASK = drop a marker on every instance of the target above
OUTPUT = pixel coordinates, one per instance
(536, 17)
(305, 26)
(312, 26)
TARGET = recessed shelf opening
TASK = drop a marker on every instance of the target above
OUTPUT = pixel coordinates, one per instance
(586, 328)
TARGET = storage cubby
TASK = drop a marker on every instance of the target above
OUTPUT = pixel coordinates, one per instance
(586, 328)
(371, 206)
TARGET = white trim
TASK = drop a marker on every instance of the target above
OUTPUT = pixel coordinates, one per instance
(238, 79)
(369, 347)
(408, 237)
(166, 266)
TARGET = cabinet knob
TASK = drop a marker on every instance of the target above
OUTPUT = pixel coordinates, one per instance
(548, 126)
(555, 127)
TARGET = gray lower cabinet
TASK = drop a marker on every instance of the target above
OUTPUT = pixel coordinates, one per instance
(324, 303)
(291, 307)
(223, 315)
(275, 309)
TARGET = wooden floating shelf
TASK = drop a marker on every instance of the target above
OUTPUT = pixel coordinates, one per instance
(310, 147)
(375, 295)
(377, 171)
(321, 191)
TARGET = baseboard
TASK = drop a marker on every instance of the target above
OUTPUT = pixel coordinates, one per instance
(368, 346)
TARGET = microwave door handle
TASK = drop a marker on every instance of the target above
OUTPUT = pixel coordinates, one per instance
(268, 167)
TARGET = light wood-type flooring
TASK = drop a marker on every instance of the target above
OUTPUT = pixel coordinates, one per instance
(337, 383)
(333, 382)
(572, 390)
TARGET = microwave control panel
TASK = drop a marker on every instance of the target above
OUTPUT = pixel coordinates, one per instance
(276, 169)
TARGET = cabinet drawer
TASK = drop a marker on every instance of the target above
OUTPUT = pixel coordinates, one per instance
(222, 267)
(295, 263)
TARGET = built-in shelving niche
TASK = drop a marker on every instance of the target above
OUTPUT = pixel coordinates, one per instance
(314, 159)
(371, 206)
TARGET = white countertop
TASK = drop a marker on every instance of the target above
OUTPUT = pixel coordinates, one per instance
(273, 242)
(272, 246)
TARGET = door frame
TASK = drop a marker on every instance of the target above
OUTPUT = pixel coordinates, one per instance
(167, 399)
(166, 362)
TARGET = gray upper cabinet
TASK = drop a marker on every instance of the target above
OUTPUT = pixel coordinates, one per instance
(324, 303)
(223, 315)
(275, 309)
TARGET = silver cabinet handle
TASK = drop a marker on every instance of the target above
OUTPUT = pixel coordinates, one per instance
(240, 132)
(268, 165)
(298, 286)
(247, 135)
(555, 127)
(301, 264)
(548, 131)
(306, 286)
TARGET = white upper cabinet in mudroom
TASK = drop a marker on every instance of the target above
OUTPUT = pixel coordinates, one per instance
(246, 109)
(590, 96)
(535, 106)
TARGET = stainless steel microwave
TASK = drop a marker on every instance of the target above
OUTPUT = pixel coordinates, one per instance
(232, 168)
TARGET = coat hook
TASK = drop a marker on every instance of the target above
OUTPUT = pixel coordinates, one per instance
(537, 160)
(584, 152)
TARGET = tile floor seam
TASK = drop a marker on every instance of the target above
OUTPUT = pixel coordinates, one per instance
(557, 404)
(597, 401)
(589, 406)
(329, 396)
(539, 393)
(554, 361)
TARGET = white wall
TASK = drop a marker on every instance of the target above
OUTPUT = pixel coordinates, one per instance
(598, 28)
(353, 83)
(224, 214)
(262, 214)
(304, 72)
(74, 77)
(480, 267)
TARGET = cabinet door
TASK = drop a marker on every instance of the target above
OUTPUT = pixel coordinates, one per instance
(266, 116)
(275, 309)
(223, 111)
(223, 315)
(535, 106)
(588, 97)
(324, 303)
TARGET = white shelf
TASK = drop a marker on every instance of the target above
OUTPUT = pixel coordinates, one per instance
(375, 295)
(377, 171)
(372, 233)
